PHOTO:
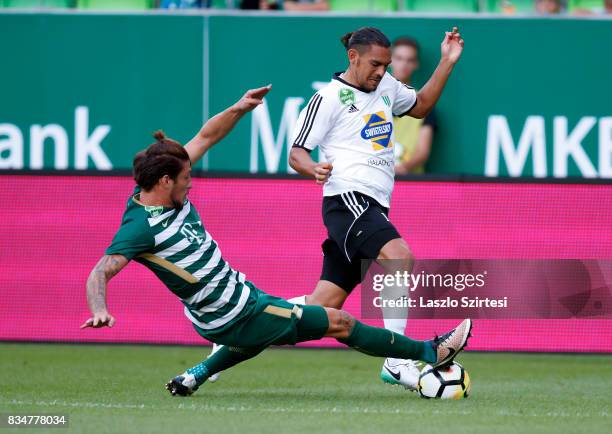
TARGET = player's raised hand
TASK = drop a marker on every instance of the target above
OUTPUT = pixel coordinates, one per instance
(252, 98)
(452, 46)
(100, 319)
(322, 172)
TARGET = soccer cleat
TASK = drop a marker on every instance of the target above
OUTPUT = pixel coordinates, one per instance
(450, 344)
(183, 385)
(403, 372)
(214, 377)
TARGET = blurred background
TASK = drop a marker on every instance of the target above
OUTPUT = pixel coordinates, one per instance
(437, 6)
(515, 161)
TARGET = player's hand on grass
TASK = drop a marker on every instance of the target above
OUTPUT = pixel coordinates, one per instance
(322, 172)
(452, 46)
(252, 98)
(99, 319)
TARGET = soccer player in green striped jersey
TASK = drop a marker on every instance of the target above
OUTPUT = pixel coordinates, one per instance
(162, 230)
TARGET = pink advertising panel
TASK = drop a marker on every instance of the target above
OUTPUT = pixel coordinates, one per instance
(55, 228)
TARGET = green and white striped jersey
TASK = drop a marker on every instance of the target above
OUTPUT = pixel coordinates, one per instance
(175, 246)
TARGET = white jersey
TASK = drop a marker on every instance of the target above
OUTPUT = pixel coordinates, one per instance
(354, 130)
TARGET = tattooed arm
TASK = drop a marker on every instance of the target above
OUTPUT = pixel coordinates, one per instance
(105, 269)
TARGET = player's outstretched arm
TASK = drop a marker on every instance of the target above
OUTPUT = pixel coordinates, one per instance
(301, 161)
(451, 49)
(107, 267)
(217, 127)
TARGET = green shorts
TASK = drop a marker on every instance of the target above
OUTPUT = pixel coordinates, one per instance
(272, 321)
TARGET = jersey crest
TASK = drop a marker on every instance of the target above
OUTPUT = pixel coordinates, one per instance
(193, 232)
(347, 96)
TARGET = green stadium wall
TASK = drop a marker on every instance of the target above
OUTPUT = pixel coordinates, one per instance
(530, 97)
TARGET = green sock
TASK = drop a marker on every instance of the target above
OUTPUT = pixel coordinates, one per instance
(385, 343)
(224, 358)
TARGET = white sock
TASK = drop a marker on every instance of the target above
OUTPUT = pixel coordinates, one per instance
(397, 325)
(298, 300)
(395, 318)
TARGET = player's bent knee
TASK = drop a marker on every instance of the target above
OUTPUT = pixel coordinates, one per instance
(399, 251)
(407, 254)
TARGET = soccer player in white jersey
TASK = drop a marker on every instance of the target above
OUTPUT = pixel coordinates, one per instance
(162, 230)
(351, 121)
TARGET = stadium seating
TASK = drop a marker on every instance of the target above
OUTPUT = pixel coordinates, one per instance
(184, 4)
(441, 6)
(218, 4)
(585, 5)
(37, 3)
(116, 4)
(363, 5)
(515, 6)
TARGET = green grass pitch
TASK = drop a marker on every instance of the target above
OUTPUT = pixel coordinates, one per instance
(105, 388)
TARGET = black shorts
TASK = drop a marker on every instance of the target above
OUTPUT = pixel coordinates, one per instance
(357, 227)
